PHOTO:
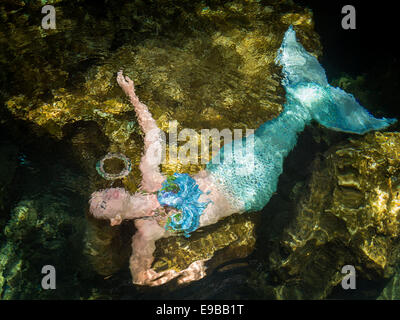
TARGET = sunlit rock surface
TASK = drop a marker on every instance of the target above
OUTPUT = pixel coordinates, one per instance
(230, 239)
(347, 215)
(220, 73)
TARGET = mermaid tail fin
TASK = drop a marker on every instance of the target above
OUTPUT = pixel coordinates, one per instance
(343, 113)
(305, 81)
(298, 66)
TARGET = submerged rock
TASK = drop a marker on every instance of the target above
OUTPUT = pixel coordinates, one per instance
(40, 232)
(230, 239)
(217, 71)
(347, 215)
(108, 248)
(46, 226)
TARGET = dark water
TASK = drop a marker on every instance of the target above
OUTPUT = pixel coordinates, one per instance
(371, 49)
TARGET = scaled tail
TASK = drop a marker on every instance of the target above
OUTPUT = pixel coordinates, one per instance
(305, 80)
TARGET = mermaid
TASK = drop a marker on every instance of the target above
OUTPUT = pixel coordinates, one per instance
(180, 204)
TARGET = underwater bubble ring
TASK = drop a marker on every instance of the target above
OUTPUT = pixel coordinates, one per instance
(114, 176)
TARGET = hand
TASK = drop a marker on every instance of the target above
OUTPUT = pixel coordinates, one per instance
(196, 271)
(126, 84)
(152, 278)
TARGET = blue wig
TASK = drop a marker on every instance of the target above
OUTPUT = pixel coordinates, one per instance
(180, 191)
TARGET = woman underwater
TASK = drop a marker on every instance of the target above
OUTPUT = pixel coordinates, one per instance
(180, 204)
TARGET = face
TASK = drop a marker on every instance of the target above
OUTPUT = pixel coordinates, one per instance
(108, 203)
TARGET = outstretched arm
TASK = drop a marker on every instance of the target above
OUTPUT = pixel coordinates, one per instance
(143, 247)
(151, 159)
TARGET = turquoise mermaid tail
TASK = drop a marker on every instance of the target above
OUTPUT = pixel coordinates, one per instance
(332, 107)
(249, 169)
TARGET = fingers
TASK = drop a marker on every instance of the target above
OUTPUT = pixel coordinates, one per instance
(187, 277)
(196, 271)
(160, 278)
(152, 278)
(120, 78)
(124, 81)
(130, 82)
